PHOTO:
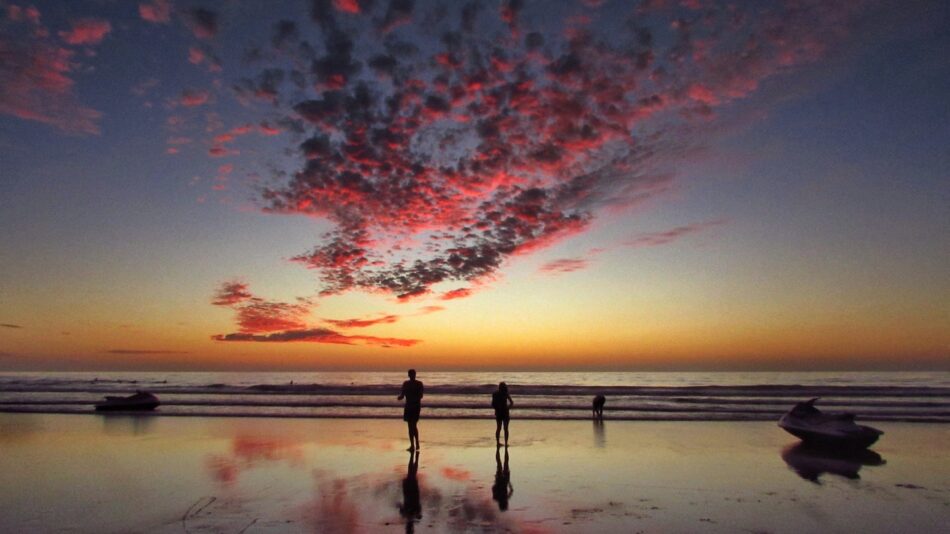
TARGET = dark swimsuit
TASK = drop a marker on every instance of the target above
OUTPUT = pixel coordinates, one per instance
(499, 402)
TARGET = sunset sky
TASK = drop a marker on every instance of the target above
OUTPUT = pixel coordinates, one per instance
(356, 184)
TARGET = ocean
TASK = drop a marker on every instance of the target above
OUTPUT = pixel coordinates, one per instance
(675, 396)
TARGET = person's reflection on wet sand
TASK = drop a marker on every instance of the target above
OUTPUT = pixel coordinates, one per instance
(502, 490)
(411, 507)
(600, 434)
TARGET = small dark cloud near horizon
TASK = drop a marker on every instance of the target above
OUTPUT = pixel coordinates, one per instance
(317, 335)
(9, 325)
(145, 351)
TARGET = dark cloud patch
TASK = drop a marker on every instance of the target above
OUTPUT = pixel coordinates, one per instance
(398, 12)
(203, 22)
(8, 325)
(284, 33)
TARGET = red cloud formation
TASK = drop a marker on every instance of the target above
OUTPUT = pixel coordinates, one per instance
(459, 293)
(318, 335)
(35, 76)
(87, 32)
(264, 316)
(362, 323)
(255, 314)
(158, 11)
(280, 322)
(668, 236)
(566, 265)
(194, 97)
(480, 148)
(231, 293)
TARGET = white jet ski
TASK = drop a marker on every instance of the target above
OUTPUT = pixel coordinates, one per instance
(814, 427)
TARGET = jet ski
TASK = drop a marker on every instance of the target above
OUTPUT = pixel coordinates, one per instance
(140, 401)
(814, 427)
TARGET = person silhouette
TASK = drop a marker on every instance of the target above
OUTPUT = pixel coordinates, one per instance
(599, 402)
(412, 391)
(502, 403)
(502, 490)
(411, 507)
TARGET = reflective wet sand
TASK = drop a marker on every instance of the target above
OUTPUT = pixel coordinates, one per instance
(153, 474)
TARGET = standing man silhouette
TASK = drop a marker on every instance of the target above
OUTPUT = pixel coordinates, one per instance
(412, 392)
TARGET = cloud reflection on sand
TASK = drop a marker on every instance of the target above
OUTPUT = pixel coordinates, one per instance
(248, 452)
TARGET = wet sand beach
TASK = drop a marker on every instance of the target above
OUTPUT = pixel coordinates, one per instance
(154, 474)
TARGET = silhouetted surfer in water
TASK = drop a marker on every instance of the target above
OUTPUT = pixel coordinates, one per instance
(411, 507)
(599, 402)
(412, 392)
(502, 403)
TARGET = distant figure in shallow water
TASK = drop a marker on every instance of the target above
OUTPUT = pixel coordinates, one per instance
(502, 490)
(411, 508)
(599, 402)
(412, 391)
(502, 403)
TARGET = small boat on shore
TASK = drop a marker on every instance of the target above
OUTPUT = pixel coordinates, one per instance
(815, 427)
(139, 402)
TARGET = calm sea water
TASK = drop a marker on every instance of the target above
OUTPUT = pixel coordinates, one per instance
(894, 396)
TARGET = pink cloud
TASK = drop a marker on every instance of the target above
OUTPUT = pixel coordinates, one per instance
(194, 97)
(157, 11)
(231, 293)
(668, 236)
(86, 32)
(362, 323)
(347, 6)
(566, 265)
(459, 293)
(36, 83)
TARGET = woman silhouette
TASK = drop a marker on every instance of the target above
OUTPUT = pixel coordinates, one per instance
(502, 403)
